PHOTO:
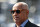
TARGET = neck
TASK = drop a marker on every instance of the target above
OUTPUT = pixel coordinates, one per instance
(18, 24)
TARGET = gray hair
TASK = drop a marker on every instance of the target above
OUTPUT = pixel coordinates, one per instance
(22, 3)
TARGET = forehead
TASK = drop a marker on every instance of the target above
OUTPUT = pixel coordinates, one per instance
(16, 8)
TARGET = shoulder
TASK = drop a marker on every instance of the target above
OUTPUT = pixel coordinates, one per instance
(33, 25)
(29, 24)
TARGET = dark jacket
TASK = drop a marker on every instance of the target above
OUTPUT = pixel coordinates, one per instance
(29, 24)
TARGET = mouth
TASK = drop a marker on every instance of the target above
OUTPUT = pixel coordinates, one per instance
(16, 18)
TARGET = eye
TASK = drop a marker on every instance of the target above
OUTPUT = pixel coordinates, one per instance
(18, 11)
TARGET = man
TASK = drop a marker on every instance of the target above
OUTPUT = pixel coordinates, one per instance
(20, 15)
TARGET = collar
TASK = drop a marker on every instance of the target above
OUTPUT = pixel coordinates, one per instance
(23, 24)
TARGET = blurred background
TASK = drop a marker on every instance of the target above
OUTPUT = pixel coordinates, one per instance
(6, 19)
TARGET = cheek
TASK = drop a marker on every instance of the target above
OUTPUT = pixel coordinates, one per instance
(22, 15)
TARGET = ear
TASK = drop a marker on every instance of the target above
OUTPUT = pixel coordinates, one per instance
(27, 11)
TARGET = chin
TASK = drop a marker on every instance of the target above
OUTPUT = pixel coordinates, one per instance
(16, 21)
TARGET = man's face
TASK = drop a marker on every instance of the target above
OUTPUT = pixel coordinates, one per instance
(21, 16)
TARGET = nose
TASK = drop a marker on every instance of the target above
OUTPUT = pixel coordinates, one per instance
(15, 14)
